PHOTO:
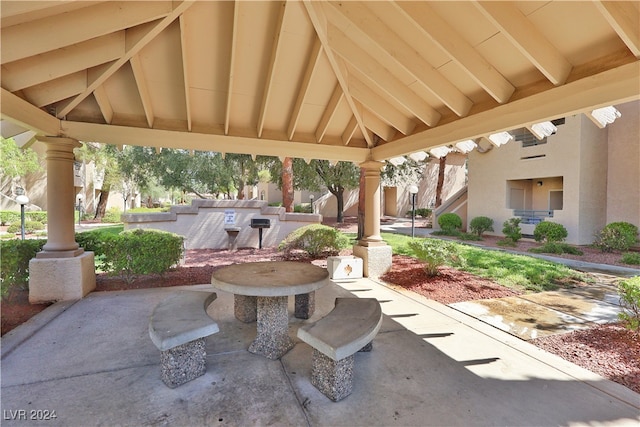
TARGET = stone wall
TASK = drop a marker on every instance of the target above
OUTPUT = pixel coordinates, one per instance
(203, 223)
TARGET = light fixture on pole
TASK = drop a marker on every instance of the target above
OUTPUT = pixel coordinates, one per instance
(313, 208)
(79, 206)
(413, 190)
(22, 200)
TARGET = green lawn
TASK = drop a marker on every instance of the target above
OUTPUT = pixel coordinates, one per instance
(514, 271)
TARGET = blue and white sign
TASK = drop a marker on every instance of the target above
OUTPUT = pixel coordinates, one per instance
(229, 217)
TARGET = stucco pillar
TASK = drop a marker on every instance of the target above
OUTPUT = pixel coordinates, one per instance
(374, 251)
(62, 270)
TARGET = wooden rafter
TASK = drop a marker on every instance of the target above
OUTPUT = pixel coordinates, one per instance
(304, 87)
(103, 103)
(458, 49)
(624, 18)
(131, 51)
(185, 70)
(232, 66)
(143, 89)
(329, 112)
(527, 39)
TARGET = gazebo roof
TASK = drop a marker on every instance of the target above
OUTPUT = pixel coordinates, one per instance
(312, 79)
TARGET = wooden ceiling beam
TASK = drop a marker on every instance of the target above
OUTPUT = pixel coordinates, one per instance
(131, 51)
(55, 32)
(610, 87)
(61, 62)
(305, 85)
(451, 42)
(623, 16)
(57, 90)
(380, 107)
(273, 61)
(159, 138)
(329, 112)
(382, 77)
(319, 21)
(26, 115)
(102, 99)
(143, 89)
(527, 39)
(397, 50)
(232, 65)
(185, 70)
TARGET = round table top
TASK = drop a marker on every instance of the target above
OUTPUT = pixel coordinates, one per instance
(270, 278)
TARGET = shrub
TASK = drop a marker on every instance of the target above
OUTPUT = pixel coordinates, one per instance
(617, 236)
(548, 231)
(434, 253)
(631, 258)
(314, 239)
(450, 222)
(511, 229)
(113, 215)
(141, 251)
(40, 216)
(629, 291)
(421, 212)
(481, 224)
(14, 263)
(7, 217)
(29, 226)
(558, 248)
(469, 236)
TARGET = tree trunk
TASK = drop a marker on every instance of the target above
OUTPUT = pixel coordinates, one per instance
(441, 168)
(101, 208)
(287, 184)
(361, 203)
(340, 205)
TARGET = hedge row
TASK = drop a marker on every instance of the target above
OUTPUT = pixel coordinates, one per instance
(128, 254)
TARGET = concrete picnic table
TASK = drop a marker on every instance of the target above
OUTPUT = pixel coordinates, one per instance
(263, 288)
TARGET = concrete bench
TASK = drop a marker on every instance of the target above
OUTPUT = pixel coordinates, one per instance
(350, 327)
(178, 326)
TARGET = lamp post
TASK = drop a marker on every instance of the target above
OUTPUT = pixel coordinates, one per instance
(22, 199)
(313, 208)
(79, 199)
(413, 190)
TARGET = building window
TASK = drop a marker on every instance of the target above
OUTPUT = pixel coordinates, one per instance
(555, 200)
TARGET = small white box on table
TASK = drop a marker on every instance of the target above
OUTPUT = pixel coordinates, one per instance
(344, 267)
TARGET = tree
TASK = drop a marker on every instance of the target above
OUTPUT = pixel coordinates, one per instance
(337, 178)
(287, 184)
(16, 162)
(440, 184)
(105, 157)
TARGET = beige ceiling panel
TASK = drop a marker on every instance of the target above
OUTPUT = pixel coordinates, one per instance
(89, 110)
(579, 40)
(409, 33)
(57, 90)
(18, 12)
(509, 61)
(284, 90)
(168, 100)
(60, 62)
(465, 19)
(322, 85)
(43, 35)
(460, 78)
(340, 120)
(207, 107)
(208, 27)
(161, 58)
(123, 93)
(244, 113)
(309, 119)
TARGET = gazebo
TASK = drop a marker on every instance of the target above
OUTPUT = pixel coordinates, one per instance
(362, 82)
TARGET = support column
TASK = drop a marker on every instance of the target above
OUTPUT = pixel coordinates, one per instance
(62, 270)
(374, 251)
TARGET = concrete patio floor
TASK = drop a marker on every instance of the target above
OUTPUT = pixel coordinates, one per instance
(92, 362)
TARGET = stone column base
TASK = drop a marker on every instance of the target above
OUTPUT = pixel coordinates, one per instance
(59, 279)
(376, 259)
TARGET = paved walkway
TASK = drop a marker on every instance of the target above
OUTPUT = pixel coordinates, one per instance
(92, 362)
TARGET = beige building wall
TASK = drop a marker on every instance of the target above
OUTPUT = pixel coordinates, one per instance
(623, 176)
(596, 169)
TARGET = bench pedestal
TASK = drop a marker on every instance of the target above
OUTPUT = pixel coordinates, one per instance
(272, 339)
(183, 363)
(305, 305)
(245, 308)
(334, 378)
